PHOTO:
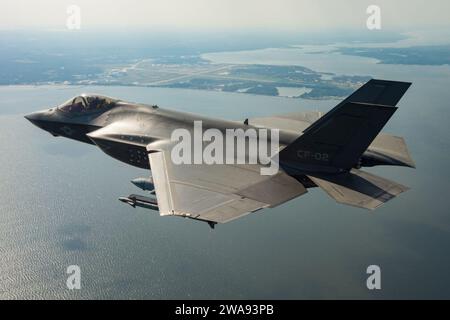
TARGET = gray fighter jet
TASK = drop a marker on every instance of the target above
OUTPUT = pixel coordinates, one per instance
(315, 150)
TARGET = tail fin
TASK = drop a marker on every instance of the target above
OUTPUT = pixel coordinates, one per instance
(383, 92)
(340, 137)
(358, 188)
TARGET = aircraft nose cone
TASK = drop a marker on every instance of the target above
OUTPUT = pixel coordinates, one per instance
(40, 119)
(37, 118)
(34, 117)
(30, 117)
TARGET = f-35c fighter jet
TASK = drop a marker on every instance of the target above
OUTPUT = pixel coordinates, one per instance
(314, 150)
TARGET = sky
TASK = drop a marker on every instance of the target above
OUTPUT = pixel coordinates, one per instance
(224, 14)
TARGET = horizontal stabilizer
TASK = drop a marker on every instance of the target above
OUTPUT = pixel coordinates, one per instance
(388, 150)
(358, 188)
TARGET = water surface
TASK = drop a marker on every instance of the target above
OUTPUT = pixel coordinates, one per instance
(59, 207)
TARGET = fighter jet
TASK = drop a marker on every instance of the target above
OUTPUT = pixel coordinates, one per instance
(315, 150)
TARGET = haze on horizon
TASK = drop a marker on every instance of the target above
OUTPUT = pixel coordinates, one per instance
(227, 15)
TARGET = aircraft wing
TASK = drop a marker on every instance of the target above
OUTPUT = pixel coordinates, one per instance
(217, 193)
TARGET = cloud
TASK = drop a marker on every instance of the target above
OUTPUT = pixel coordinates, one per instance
(225, 14)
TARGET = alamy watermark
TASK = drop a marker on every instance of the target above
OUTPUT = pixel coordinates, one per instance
(374, 20)
(234, 146)
(374, 280)
(74, 279)
(73, 21)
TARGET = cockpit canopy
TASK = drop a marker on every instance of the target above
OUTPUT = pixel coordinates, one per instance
(87, 103)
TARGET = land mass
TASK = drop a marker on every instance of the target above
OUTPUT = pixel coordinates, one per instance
(418, 55)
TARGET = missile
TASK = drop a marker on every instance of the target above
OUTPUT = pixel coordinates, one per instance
(136, 200)
(145, 184)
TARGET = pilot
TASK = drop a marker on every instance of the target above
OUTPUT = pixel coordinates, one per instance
(94, 103)
(77, 105)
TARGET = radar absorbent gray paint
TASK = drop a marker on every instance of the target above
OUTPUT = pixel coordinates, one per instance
(326, 151)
